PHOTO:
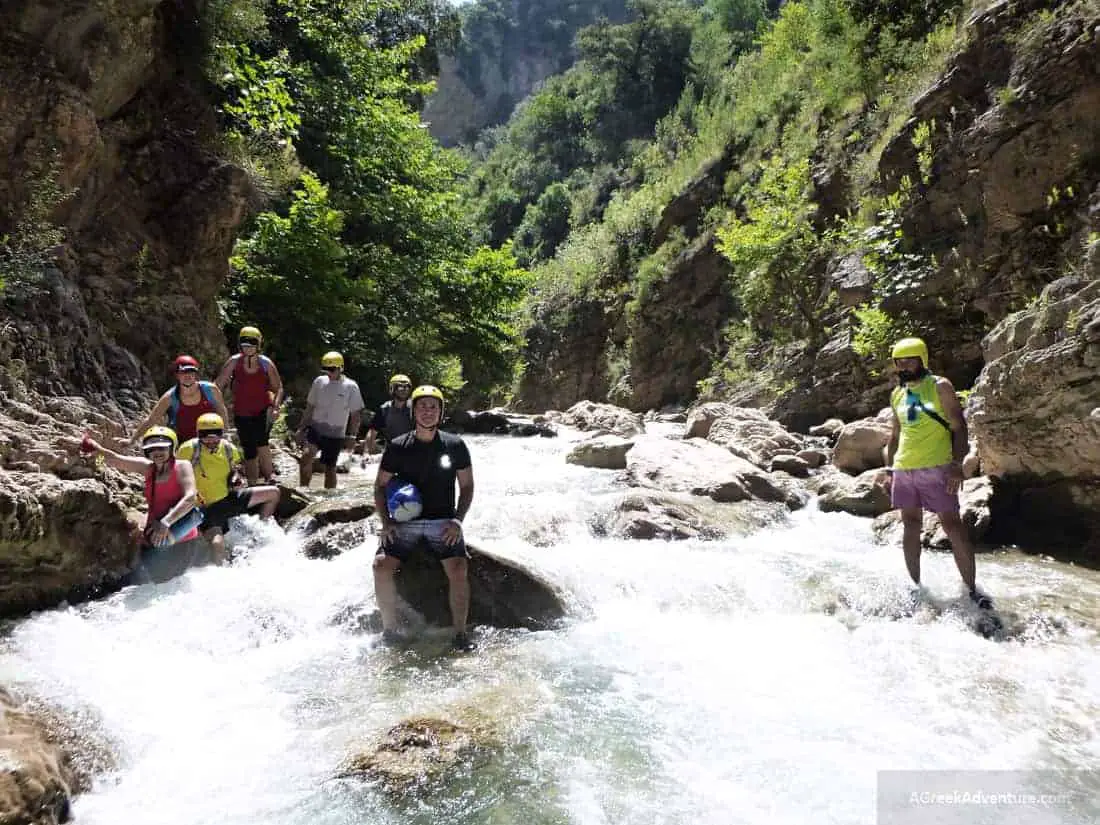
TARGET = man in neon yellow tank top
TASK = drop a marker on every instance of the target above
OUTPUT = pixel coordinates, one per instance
(924, 459)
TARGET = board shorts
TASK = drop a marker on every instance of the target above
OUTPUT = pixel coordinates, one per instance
(253, 431)
(925, 488)
(218, 514)
(328, 445)
(427, 531)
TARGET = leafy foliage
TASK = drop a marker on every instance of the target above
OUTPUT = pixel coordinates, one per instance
(372, 248)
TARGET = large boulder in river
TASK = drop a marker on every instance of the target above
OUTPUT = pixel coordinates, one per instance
(749, 433)
(702, 468)
(588, 415)
(604, 452)
(860, 496)
(650, 514)
(339, 507)
(502, 592)
(860, 444)
(1033, 411)
(60, 540)
(37, 781)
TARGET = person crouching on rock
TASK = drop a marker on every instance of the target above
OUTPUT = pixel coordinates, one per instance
(431, 461)
(214, 460)
(170, 491)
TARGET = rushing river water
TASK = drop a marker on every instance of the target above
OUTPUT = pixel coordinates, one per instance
(766, 678)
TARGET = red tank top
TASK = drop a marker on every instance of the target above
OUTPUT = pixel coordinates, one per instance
(163, 496)
(187, 417)
(250, 389)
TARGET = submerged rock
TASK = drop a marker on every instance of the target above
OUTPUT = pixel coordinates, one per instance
(649, 514)
(420, 752)
(37, 780)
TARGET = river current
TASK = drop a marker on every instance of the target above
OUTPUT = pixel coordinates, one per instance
(767, 678)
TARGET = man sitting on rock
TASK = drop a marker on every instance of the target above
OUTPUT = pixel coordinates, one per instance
(214, 460)
(432, 461)
(924, 459)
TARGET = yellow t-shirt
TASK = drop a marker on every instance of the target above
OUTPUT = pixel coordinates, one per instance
(923, 441)
(212, 468)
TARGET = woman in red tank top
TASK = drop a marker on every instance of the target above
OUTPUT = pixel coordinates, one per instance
(169, 484)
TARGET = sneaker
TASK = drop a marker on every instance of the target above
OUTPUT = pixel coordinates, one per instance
(463, 642)
(981, 600)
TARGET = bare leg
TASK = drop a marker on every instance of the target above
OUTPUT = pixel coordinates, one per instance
(385, 589)
(912, 521)
(960, 546)
(267, 463)
(268, 496)
(251, 471)
(217, 541)
(459, 591)
(330, 477)
(305, 466)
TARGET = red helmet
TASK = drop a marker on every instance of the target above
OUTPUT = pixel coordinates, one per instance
(186, 363)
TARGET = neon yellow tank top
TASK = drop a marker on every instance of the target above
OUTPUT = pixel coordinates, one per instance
(923, 441)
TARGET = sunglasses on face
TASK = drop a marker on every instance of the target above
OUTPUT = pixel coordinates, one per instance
(186, 371)
(249, 342)
(154, 450)
(211, 433)
(402, 386)
(331, 369)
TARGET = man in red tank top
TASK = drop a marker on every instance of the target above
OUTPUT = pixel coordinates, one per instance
(257, 396)
(180, 407)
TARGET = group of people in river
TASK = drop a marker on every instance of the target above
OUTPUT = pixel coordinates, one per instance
(193, 487)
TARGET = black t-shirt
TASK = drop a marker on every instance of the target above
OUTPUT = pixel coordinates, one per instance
(431, 466)
(392, 421)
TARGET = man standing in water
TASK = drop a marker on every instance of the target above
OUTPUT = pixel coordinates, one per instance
(330, 421)
(432, 461)
(924, 459)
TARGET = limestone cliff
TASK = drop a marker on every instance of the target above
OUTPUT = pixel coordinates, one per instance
(118, 215)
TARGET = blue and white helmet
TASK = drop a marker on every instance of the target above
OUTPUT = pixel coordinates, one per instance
(403, 501)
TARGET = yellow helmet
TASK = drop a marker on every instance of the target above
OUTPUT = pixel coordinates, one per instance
(251, 332)
(911, 348)
(427, 391)
(332, 359)
(209, 421)
(400, 379)
(160, 437)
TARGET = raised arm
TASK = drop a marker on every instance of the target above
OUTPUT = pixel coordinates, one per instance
(127, 463)
(157, 414)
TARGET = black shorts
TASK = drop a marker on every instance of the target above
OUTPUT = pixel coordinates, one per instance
(253, 432)
(219, 513)
(330, 447)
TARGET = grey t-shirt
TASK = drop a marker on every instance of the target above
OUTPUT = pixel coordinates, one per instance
(333, 402)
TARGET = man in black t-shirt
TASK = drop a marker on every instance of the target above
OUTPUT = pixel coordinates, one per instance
(432, 461)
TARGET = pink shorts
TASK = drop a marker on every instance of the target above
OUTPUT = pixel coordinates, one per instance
(925, 489)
